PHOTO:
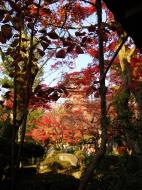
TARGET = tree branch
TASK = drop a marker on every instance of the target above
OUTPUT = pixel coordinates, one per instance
(115, 55)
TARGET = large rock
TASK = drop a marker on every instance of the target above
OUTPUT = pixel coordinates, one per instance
(71, 158)
(67, 157)
(77, 174)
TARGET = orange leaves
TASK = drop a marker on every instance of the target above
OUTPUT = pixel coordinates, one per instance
(121, 150)
(89, 10)
(9, 104)
(92, 52)
(47, 126)
(33, 9)
(62, 12)
(39, 134)
(44, 12)
(80, 12)
(136, 68)
(77, 12)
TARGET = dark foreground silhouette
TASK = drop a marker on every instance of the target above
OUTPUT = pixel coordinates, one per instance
(114, 173)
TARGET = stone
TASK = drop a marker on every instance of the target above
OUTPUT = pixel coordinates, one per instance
(71, 158)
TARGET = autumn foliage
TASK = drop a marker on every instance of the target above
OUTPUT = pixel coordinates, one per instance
(102, 100)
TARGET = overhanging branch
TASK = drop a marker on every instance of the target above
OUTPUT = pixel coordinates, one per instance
(115, 55)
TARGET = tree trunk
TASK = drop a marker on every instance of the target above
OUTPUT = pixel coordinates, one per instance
(122, 99)
(32, 71)
(22, 137)
(14, 124)
(103, 119)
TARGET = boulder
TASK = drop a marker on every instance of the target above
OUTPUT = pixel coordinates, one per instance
(71, 158)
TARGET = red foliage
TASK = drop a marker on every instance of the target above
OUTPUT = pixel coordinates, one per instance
(92, 52)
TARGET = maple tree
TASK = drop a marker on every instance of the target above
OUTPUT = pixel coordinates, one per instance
(69, 123)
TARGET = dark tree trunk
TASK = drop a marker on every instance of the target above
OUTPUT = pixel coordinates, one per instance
(103, 119)
(122, 100)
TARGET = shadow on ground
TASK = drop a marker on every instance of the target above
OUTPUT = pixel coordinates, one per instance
(27, 179)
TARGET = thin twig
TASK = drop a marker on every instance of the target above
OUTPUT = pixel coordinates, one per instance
(115, 55)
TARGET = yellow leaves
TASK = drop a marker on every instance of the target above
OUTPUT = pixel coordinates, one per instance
(130, 64)
(122, 56)
(125, 55)
(115, 87)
